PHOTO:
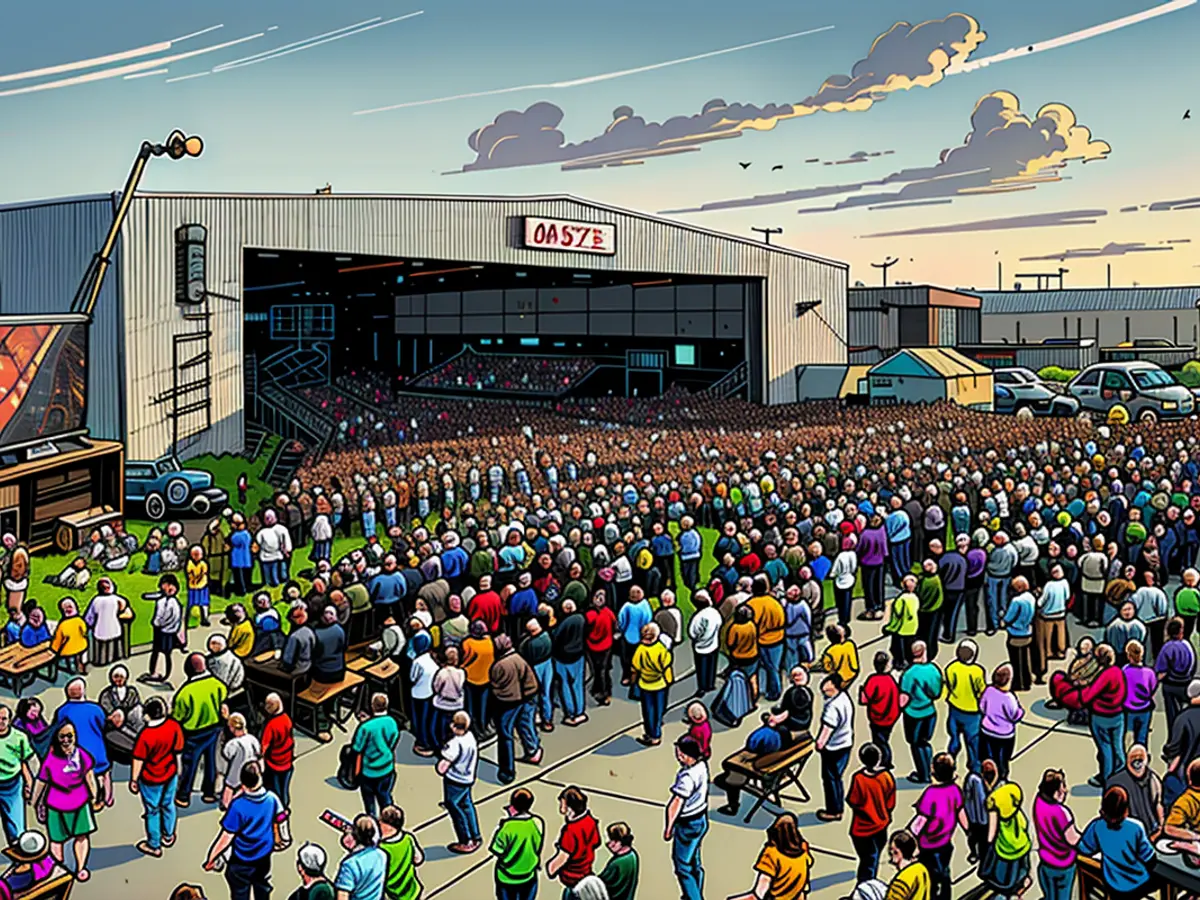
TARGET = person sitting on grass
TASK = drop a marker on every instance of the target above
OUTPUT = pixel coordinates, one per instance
(70, 640)
(74, 577)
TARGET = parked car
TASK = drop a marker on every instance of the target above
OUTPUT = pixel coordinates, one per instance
(1019, 388)
(1135, 390)
(164, 486)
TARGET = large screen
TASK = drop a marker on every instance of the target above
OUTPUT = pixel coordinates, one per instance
(43, 380)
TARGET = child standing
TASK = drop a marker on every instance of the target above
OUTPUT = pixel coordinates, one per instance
(699, 728)
(197, 582)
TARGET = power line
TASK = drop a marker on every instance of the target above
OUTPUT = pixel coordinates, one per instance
(767, 232)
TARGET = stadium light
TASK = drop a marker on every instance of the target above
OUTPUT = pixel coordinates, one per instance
(177, 146)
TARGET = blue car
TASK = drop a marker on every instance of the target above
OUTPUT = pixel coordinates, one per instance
(164, 486)
(1020, 388)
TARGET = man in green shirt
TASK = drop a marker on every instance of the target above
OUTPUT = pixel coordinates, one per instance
(929, 613)
(1187, 600)
(310, 866)
(517, 847)
(902, 625)
(16, 776)
(921, 686)
(375, 742)
(199, 708)
(403, 854)
(620, 875)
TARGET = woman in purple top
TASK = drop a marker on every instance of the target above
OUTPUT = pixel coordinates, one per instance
(1001, 711)
(66, 796)
(1057, 836)
(939, 809)
(872, 557)
(976, 574)
(1140, 684)
(1175, 665)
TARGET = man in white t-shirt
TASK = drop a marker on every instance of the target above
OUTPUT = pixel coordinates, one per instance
(458, 766)
(687, 817)
(705, 631)
(240, 749)
(834, 743)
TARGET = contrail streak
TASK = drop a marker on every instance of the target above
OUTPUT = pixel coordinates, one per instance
(593, 79)
(253, 56)
(146, 74)
(194, 34)
(314, 43)
(1074, 37)
(188, 77)
(124, 70)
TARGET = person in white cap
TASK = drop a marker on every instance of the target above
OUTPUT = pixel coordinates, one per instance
(310, 866)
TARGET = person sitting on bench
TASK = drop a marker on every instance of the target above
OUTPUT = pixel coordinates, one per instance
(763, 740)
(795, 710)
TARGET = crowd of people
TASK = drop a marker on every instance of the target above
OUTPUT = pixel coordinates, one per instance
(503, 373)
(528, 557)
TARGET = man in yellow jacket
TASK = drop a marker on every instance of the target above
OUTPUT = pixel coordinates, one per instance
(652, 667)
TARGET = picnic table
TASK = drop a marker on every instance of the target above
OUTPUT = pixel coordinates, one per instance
(264, 675)
(20, 666)
(766, 776)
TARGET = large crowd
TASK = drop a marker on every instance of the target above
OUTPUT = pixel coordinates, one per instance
(518, 559)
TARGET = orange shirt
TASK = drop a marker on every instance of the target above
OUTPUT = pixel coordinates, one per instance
(742, 641)
(478, 656)
(769, 618)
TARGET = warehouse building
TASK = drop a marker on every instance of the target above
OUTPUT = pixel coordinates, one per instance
(213, 299)
(884, 319)
(1108, 316)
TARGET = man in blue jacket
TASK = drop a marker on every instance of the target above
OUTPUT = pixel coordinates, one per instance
(387, 589)
(241, 555)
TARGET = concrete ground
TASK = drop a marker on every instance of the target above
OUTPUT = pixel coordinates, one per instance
(624, 780)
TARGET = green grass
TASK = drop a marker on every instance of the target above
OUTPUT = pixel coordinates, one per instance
(226, 468)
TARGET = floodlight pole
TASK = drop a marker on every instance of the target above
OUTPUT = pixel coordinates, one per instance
(767, 232)
(177, 146)
(885, 265)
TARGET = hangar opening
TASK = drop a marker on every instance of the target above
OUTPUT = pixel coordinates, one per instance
(469, 329)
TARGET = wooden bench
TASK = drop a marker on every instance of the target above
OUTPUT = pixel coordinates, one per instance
(344, 696)
(55, 887)
(20, 666)
(1090, 875)
(767, 776)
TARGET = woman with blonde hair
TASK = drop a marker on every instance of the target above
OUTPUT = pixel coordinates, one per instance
(651, 665)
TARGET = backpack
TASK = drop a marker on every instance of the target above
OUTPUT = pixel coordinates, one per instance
(733, 702)
(347, 773)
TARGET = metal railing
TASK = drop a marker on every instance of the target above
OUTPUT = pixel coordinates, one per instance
(732, 382)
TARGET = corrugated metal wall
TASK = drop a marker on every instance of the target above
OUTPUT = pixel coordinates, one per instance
(475, 230)
(44, 251)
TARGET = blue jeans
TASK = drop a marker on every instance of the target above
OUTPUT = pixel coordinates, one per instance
(995, 600)
(706, 671)
(526, 891)
(963, 728)
(654, 707)
(461, 808)
(881, 737)
(12, 807)
(900, 554)
(516, 717)
(321, 550)
(1139, 724)
(796, 650)
(918, 733)
(1056, 883)
(570, 685)
(271, 572)
(1109, 734)
(376, 791)
(685, 854)
(158, 804)
(833, 766)
(769, 661)
(423, 723)
(545, 696)
(199, 746)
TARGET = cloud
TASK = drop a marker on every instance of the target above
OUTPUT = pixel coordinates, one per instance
(1004, 151)
(1109, 249)
(904, 57)
(1169, 205)
(1034, 220)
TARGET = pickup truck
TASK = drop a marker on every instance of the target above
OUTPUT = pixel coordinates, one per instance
(164, 486)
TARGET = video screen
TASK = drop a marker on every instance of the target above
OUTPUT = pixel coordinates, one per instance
(43, 381)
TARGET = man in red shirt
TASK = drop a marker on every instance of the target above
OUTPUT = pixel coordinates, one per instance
(486, 605)
(155, 774)
(577, 842)
(871, 800)
(1105, 698)
(881, 696)
(278, 756)
(601, 623)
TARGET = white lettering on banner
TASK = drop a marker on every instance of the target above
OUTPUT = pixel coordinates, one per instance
(576, 237)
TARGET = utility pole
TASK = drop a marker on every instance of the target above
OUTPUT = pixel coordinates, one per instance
(885, 265)
(767, 232)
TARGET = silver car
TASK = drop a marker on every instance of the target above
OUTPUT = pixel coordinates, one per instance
(1018, 388)
(1136, 391)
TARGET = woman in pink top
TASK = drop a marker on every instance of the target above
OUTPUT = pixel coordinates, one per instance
(1001, 711)
(939, 809)
(1057, 836)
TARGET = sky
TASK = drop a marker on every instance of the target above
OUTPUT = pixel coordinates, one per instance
(873, 129)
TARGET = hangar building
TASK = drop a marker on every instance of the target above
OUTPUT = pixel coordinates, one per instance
(213, 300)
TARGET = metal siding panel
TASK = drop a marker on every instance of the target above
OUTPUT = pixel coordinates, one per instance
(44, 252)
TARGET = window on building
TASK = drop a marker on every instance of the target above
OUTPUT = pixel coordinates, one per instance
(685, 355)
(529, 342)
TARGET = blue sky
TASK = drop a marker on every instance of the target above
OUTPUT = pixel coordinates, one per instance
(287, 124)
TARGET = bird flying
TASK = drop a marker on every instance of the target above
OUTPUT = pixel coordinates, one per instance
(776, 168)
(744, 165)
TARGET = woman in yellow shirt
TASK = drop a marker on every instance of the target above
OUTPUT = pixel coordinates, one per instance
(741, 640)
(197, 581)
(784, 865)
(652, 665)
(70, 639)
(841, 655)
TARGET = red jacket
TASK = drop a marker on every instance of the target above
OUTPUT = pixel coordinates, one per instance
(600, 625)
(486, 605)
(278, 744)
(1106, 695)
(881, 696)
